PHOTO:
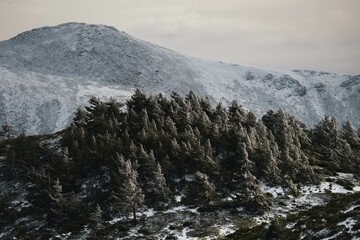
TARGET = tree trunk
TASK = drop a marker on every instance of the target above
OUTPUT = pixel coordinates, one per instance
(134, 209)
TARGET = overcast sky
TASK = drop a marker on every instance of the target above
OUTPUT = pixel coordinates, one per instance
(321, 35)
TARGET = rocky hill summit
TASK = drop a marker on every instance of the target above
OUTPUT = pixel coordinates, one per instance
(47, 73)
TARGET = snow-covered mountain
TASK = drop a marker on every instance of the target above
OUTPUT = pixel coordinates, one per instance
(46, 73)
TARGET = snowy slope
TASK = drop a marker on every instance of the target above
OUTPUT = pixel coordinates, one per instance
(46, 73)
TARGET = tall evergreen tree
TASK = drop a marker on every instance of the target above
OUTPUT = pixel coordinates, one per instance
(350, 135)
(200, 190)
(66, 161)
(157, 185)
(126, 190)
(7, 131)
(96, 217)
(327, 133)
(55, 194)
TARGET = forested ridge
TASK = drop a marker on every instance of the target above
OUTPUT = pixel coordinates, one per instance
(117, 159)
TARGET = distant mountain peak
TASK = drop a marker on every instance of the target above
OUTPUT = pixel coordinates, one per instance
(46, 73)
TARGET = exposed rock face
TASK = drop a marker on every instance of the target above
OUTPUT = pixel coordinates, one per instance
(46, 73)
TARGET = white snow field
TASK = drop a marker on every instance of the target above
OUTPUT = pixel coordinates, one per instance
(47, 73)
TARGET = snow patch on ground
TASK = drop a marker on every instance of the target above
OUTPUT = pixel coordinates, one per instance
(149, 212)
(134, 233)
(188, 177)
(176, 209)
(290, 225)
(63, 235)
(118, 219)
(351, 208)
(311, 195)
(182, 235)
(227, 229)
(349, 223)
(178, 198)
(333, 187)
(333, 236)
(275, 191)
(85, 92)
(85, 233)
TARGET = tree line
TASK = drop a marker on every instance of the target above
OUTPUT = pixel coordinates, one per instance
(144, 152)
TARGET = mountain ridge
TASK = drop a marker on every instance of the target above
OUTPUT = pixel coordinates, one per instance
(57, 69)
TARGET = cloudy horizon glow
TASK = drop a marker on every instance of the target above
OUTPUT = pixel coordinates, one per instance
(322, 35)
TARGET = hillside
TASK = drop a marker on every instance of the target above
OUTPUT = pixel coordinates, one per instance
(180, 169)
(57, 69)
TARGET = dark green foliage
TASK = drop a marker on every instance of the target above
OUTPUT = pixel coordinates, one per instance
(126, 194)
(96, 217)
(274, 231)
(200, 191)
(7, 131)
(346, 183)
(121, 155)
(154, 180)
(57, 201)
(327, 133)
(336, 150)
(248, 192)
(246, 233)
(350, 135)
(316, 223)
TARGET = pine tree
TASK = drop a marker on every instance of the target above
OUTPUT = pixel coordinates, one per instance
(287, 164)
(38, 193)
(251, 119)
(138, 101)
(274, 231)
(242, 161)
(200, 190)
(144, 119)
(266, 162)
(170, 127)
(134, 192)
(237, 114)
(326, 132)
(96, 217)
(56, 196)
(350, 135)
(96, 110)
(7, 131)
(80, 118)
(157, 185)
(154, 180)
(206, 107)
(203, 123)
(222, 119)
(331, 147)
(194, 101)
(215, 133)
(249, 191)
(208, 148)
(11, 161)
(66, 160)
(115, 108)
(353, 138)
(126, 190)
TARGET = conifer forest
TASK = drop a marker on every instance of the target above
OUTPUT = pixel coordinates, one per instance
(125, 169)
